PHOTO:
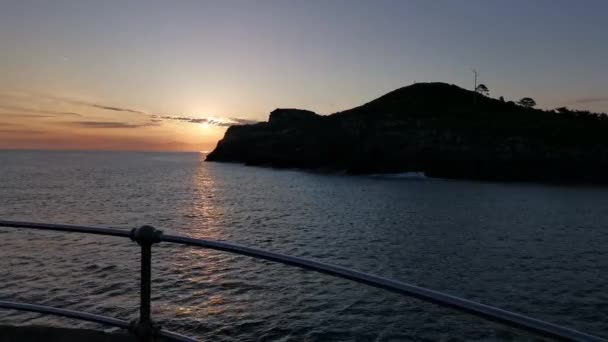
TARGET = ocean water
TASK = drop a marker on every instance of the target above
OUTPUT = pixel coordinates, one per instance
(537, 249)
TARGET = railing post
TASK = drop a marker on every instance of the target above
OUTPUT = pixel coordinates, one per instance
(144, 328)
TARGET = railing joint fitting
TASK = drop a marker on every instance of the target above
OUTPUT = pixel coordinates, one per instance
(144, 331)
(146, 235)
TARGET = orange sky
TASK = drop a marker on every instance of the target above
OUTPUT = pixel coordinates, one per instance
(42, 122)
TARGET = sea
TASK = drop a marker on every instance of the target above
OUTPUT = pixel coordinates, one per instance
(536, 249)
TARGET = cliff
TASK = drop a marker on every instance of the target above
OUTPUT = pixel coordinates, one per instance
(435, 128)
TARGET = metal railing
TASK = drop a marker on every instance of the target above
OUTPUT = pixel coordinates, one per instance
(145, 329)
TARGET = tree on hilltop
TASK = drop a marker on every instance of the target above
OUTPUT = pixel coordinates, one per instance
(483, 90)
(527, 102)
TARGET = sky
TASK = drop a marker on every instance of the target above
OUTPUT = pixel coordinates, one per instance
(172, 75)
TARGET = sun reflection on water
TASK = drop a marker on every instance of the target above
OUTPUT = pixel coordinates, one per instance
(202, 273)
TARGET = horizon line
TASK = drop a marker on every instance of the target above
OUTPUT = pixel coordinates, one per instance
(93, 150)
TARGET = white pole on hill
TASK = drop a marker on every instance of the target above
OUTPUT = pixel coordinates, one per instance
(475, 86)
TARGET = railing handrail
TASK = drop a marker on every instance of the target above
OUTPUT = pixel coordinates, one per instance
(85, 316)
(49, 310)
(481, 310)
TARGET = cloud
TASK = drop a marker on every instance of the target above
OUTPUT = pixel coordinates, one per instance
(209, 121)
(591, 99)
(100, 106)
(34, 110)
(155, 119)
(21, 96)
(244, 121)
(161, 117)
(22, 131)
(112, 124)
(14, 115)
(116, 109)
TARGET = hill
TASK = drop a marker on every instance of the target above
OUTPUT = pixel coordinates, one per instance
(436, 128)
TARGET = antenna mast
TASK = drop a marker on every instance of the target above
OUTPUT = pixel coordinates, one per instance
(475, 72)
(475, 87)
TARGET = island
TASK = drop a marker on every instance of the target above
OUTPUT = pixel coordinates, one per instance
(438, 129)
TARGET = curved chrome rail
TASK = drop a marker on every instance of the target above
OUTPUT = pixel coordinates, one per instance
(48, 310)
(436, 297)
(85, 316)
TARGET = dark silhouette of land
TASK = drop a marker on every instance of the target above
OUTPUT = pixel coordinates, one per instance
(436, 128)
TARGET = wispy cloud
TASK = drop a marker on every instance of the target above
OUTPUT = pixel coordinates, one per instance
(591, 99)
(112, 124)
(22, 109)
(158, 117)
(244, 121)
(112, 108)
(209, 121)
(24, 115)
(155, 118)
(58, 99)
(22, 131)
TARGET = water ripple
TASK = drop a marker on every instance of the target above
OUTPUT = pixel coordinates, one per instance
(528, 248)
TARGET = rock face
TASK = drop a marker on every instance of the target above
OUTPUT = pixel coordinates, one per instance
(435, 128)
